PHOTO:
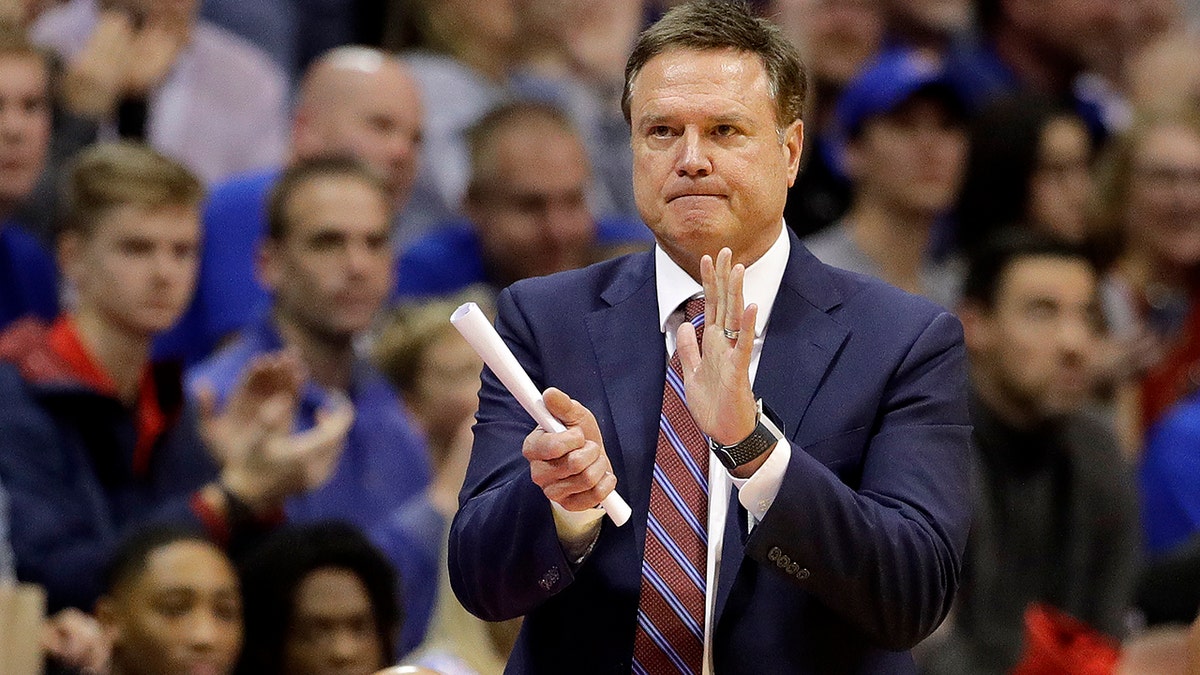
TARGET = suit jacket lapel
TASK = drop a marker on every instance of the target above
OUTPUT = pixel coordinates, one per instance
(631, 356)
(801, 343)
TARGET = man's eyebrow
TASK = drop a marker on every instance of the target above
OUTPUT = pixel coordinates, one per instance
(654, 120)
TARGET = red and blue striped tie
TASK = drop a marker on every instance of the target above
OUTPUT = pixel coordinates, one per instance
(670, 621)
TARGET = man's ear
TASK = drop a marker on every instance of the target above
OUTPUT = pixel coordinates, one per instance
(977, 325)
(266, 263)
(70, 254)
(109, 617)
(793, 141)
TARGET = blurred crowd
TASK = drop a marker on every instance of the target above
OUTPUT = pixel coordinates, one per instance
(234, 418)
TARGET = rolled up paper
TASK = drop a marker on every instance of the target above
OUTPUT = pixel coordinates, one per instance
(483, 338)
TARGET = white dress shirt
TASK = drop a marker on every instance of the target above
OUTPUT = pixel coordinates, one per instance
(578, 530)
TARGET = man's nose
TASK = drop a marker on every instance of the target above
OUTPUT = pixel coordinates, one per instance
(693, 156)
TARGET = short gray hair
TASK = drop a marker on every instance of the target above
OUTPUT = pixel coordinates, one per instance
(704, 25)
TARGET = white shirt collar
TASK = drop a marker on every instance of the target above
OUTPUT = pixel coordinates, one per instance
(761, 285)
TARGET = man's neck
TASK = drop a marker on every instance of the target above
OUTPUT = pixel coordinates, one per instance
(1033, 67)
(1004, 410)
(121, 354)
(329, 361)
(895, 239)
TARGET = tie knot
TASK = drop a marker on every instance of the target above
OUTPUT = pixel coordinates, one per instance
(694, 308)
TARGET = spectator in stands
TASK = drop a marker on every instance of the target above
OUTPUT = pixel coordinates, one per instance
(1029, 162)
(151, 70)
(1045, 47)
(327, 262)
(526, 205)
(94, 439)
(904, 150)
(1148, 191)
(572, 55)
(8, 569)
(28, 279)
(837, 39)
(319, 598)
(928, 24)
(463, 61)
(353, 100)
(171, 605)
(1055, 519)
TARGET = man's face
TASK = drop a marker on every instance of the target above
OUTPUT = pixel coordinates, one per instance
(137, 268)
(332, 269)
(1163, 213)
(911, 159)
(837, 37)
(531, 212)
(1079, 34)
(24, 126)
(1031, 350)
(374, 116)
(710, 166)
(182, 616)
(332, 629)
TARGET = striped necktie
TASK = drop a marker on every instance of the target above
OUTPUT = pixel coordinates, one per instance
(670, 621)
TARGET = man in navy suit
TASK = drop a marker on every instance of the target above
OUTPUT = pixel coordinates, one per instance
(835, 524)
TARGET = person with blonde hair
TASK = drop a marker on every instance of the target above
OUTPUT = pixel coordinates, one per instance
(94, 437)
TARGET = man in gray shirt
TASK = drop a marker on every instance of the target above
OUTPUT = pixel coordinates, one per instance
(902, 143)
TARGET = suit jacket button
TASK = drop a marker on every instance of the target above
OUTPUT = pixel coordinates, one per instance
(774, 554)
(549, 578)
(803, 573)
(783, 561)
(793, 568)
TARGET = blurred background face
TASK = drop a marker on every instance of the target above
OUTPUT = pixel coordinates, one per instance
(182, 616)
(1163, 214)
(332, 630)
(447, 384)
(1084, 34)
(836, 37)
(938, 17)
(1061, 183)
(24, 126)
(1030, 351)
(332, 269)
(911, 159)
(137, 268)
(531, 208)
(373, 114)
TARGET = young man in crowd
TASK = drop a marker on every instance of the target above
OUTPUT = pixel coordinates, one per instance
(28, 280)
(172, 606)
(903, 147)
(526, 207)
(94, 438)
(328, 264)
(1055, 518)
(319, 599)
(354, 101)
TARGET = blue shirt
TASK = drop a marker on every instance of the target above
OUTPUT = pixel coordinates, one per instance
(383, 467)
(450, 258)
(1169, 478)
(28, 277)
(228, 294)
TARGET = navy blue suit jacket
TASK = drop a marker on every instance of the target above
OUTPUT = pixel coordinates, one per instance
(857, 559)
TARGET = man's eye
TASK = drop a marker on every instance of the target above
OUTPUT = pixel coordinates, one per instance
(660, 131)
(725, 130)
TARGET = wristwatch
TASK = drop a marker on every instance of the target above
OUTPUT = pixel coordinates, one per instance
(767, 433)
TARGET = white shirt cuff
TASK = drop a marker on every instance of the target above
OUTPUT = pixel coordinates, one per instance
(758, 492)
(577, 530)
